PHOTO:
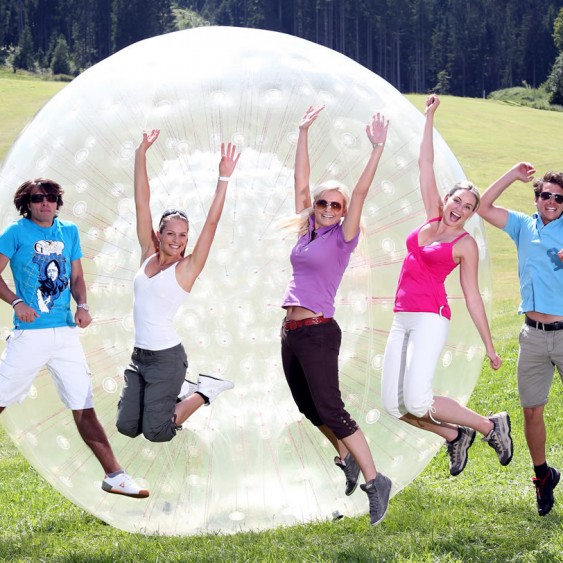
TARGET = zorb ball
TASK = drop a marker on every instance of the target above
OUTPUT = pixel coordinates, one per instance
(250, 461)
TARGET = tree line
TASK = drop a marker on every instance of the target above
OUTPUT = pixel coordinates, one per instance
(466, 48)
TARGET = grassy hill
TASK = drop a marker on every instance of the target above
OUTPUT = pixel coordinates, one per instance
(485, 514)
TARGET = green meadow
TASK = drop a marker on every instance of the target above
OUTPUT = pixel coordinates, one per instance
(488, 513)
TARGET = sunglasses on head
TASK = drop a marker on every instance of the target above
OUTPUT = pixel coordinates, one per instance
(169, 212)
(323, 204)
(548, 195)
(39, 198)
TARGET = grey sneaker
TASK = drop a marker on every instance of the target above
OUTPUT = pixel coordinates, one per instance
(499, 437)
(378, 491)
(351, 471)
(457, 450)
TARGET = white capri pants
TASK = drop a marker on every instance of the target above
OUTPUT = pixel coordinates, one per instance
(413, 348)
(27, 351)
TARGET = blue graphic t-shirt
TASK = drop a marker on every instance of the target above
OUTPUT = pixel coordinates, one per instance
(40, 259)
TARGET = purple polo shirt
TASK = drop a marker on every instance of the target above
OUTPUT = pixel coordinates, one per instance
(318, 266)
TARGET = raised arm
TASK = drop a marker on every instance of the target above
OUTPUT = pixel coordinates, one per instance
(495, 214)
(428, 189)
(191, 266)
(145, 232)
(469, 260)
(376, 131)
(302, 171)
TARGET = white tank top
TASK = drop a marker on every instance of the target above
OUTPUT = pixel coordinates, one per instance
(156, 301)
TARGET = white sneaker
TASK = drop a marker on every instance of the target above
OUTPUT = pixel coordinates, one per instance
(123, 484)
(211, 387)
(188, 388)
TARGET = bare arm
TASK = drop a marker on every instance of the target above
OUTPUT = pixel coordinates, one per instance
(495, 214)
(78, 289)
(428, 189)
(191, 266)
(376, 131)
(23, 311)
(469, 258)
(302, 171)
(145, 232)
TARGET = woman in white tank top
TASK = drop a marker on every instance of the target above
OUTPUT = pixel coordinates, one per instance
(156, 399)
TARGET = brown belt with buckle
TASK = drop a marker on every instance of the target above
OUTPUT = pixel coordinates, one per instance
(292, 325)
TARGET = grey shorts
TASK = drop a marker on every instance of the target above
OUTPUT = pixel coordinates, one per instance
(540, 352)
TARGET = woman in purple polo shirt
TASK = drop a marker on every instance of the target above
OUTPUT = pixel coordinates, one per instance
(328, 233)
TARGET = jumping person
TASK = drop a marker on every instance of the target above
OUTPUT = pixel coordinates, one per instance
(156, 399)
(539, 243)
(45, 258)
(328, 231)
(422, 317)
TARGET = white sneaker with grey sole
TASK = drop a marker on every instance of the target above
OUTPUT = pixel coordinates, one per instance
(210, 387)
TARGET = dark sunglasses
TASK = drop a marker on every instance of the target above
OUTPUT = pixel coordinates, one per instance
(39, 198)
(323, 203)
(548, 195)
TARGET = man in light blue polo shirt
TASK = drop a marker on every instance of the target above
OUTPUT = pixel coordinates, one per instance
(539, 243)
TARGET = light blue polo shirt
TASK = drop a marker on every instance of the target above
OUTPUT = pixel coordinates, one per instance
(539, 268)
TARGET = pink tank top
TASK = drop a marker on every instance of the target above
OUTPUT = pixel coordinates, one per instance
(425, 269)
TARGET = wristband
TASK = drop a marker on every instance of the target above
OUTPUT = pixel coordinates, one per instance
(83, 306)
(375, 145)
(224, 178)
(16, 302)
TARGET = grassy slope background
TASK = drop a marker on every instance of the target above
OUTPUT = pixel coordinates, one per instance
(485, 514)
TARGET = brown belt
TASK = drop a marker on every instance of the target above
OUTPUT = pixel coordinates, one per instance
(292, 325)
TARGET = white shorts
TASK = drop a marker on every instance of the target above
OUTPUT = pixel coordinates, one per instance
(413, 349)
(27, 351)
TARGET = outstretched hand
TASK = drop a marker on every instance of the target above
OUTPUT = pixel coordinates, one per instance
(149, 137)
(229, 159)
(432, 103)
(377, 129)
(310, 116)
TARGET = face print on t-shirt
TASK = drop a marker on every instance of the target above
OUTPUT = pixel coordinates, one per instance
(52, 273)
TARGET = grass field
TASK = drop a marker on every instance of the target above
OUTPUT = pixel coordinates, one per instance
(486, 514)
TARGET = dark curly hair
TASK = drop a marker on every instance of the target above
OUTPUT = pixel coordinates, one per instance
(548, 178)
(23, 194)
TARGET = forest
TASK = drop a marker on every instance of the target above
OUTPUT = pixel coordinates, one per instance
(460, 47)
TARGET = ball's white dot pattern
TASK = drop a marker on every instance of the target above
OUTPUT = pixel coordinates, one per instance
(249, 461)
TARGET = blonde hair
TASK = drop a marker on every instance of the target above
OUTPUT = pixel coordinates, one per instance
(300, 223)
(470, 187)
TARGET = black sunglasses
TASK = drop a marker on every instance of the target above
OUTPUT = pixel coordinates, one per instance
(39, 198)
(323, 203)
(548, 195)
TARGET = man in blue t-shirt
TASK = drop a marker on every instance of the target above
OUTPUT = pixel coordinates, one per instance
(44, 255)
(539, 243)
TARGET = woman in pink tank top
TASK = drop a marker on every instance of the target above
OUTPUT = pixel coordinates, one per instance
(422, 315)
